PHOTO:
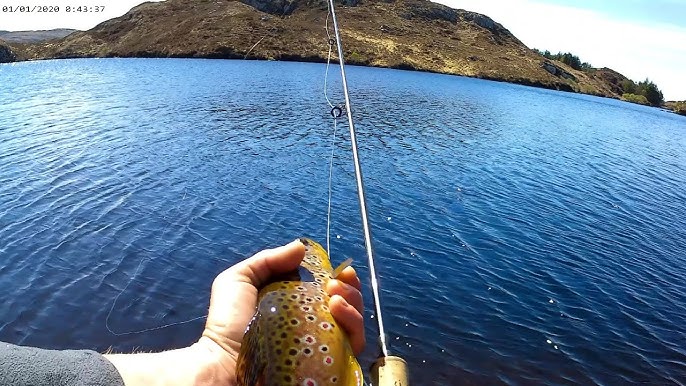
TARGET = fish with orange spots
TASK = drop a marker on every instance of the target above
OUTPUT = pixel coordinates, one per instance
(293, 340)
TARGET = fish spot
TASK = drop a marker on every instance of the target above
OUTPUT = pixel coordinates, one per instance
(294, 296)
(281, 318)
(306, 308)
(328, 360)
(293, 351)
(325, 307)
(309, 299)
(307, 352)
(287, 378)
(295, 322)
(334, 379)
(319, 298)
(278, 352)
(285, 306)
(318, 280)
(326, 326)
(324, 348)
(311, 318)
(309, 382)
(283, 335)
(288, 362)
(300, 288)
(309, 339)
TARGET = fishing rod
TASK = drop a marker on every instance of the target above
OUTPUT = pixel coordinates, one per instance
(387, 370)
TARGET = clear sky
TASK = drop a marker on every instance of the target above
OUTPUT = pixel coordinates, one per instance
(639, 38)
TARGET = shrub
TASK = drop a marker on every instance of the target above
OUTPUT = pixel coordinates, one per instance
(680, 108)
(633, 98)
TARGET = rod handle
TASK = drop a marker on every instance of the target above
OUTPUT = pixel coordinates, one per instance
(390, 371)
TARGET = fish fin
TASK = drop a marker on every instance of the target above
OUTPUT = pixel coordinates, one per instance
(250, 364)
(341, 267)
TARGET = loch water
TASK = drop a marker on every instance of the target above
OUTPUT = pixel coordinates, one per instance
(523, 236)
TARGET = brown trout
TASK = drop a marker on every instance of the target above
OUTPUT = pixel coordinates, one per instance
(293, 339)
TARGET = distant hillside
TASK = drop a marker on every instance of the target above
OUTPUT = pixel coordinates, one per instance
(405, 34)
(34, 36)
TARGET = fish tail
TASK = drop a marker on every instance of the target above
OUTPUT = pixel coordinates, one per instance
(250, 366)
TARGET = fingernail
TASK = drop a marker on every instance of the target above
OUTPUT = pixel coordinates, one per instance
(343, 301)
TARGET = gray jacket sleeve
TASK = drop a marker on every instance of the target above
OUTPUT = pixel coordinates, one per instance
(30, 366)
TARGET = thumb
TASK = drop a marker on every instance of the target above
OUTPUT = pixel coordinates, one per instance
(268, 263)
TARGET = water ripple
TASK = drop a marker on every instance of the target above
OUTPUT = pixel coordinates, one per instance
(515, 245)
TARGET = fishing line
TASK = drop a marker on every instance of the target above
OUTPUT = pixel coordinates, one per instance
(107, 320)
(328, 63)
(333, 140)
(328, 212)
(140, 264)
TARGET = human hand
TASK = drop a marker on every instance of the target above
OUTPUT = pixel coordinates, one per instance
(234, 300)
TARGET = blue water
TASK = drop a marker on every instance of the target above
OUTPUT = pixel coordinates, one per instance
(523, 236)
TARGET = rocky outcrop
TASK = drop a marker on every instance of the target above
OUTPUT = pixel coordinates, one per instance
(6, 53)
(274, 7)
(287, 7)
(427, 12)
(612, 78)
(556, 70)
(484, 21)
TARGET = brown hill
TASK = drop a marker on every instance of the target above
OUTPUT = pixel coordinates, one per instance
(407, 34)
(34, 36)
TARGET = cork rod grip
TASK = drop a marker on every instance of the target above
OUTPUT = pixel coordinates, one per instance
(390, 371)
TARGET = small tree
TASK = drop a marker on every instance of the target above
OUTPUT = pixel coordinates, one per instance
(652, 93)
(629, 86)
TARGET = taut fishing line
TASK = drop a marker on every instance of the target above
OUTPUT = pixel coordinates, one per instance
(334, 109)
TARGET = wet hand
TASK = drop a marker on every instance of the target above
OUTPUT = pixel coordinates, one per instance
(234, 300)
